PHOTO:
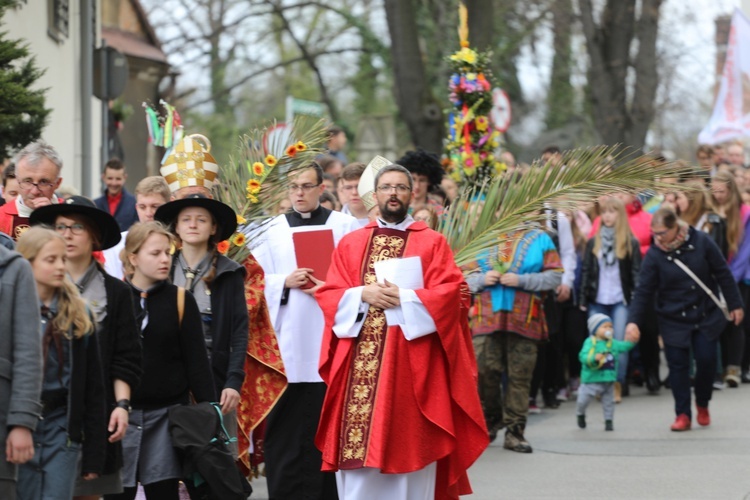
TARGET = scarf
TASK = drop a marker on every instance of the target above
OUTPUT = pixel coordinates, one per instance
(607, 236)
(678, 241)
(141, 305)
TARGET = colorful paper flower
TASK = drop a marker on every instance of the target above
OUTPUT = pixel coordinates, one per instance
(291, 151)
(238, 239)
(481, 123)
(223, 247)
(271, 160)
(465, 55)
(253, 186)
(258, 168)
(241, 219)
(301, 146)
(252, 198)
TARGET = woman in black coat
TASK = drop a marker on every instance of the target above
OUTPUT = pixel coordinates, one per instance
(688, 316)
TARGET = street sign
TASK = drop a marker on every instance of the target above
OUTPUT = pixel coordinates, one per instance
(110, 83)
(296, 106)
(501, 113)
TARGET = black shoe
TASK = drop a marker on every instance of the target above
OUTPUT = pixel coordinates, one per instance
(652, 382)
(582, 421)
(608, 425)
(551, 402)
(666, 383)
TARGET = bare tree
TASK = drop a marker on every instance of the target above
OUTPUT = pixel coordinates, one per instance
(610, 42)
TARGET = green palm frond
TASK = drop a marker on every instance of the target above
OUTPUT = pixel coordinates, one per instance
(511, 202)
(256, 206)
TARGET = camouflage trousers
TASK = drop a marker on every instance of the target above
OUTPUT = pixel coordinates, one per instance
(508, 353)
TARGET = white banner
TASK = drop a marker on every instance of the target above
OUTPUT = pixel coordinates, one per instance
(731, 115)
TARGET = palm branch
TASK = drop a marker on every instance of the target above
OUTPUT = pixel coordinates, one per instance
(510, 203)
(253, 183)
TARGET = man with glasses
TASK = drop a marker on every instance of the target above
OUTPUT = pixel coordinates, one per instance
(38, 168)
(402, 415)
(293, 464)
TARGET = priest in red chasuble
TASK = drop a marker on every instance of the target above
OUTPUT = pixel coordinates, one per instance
(401, 417)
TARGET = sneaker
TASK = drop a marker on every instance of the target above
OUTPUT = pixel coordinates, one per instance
(745, 377)
(681, 423)
(608, 425)
(703, 418)
(516, 442)
(562, 395)
(582, 421)
(719, 385)
(732, 378)
(533, 407)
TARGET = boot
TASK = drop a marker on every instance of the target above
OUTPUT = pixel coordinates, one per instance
(609, 425)
(582, 421)
(514, 441)
(618, 392)
(652, 381)
(733, 376)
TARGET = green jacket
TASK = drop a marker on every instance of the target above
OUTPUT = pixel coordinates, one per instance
(593, 371)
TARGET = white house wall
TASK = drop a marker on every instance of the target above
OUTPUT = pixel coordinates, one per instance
(62, 80)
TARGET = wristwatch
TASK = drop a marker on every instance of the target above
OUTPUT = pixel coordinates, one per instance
(124, 404)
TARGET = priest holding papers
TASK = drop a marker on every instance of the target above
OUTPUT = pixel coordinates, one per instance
(293, 249)
(402, 417)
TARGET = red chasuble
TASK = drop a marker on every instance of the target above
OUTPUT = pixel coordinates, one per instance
(11, 223)
(394, 404)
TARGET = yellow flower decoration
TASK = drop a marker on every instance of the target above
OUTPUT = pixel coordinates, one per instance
(301, 146)
(238, 239)
(241, 219)
(223, 247)
(291, 151)
(482, 123)
(258, 168)
(465, 55)
(271, 160)
(253, 186)
(252, 198)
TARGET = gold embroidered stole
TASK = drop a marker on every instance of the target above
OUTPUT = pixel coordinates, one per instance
(369, 346)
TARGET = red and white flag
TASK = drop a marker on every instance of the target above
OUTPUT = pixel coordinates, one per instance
(731, 116)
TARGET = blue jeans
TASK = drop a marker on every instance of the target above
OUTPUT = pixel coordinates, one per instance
(619, 314)
(678, 360)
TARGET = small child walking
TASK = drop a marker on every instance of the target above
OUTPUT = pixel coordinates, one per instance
(599, 357)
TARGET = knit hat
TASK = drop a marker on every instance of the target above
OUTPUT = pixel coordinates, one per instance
(597, 320)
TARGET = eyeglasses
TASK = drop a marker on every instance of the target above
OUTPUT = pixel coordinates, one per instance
(659, 234)
(26, 185)
(306, 188)
(76, 228)
(400, 188)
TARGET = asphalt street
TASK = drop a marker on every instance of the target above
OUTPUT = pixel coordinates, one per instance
(641, 459)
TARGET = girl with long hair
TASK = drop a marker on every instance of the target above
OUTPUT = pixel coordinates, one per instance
(86, 230)
(73, 424)
(217, 283)
(609, 276)
(727, 202)
(175, 364)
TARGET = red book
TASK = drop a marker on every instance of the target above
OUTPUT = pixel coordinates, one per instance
(313, 250)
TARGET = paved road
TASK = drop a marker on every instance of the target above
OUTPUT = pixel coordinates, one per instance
(641, 459)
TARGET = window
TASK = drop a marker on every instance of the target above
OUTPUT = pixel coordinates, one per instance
(59, 19)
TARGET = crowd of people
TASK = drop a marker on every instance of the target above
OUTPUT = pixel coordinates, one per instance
(391, 378)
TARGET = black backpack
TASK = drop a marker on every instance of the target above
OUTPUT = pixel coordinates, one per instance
(210, 473)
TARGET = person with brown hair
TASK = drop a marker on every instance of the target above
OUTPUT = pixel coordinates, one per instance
(687, 271)
(86, 229)
(175, 364)
(335, 144)
(116, 200)
(218, 285)
(73, 423)
(727, 202)
(347, 188)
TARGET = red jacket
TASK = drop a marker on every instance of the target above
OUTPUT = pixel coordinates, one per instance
(640, 225)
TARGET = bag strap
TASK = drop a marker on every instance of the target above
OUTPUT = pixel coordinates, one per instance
(719, 303)
(230, 439)
(180, 305)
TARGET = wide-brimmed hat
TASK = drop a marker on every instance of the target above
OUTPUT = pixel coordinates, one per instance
(226, 218)
(104, 223)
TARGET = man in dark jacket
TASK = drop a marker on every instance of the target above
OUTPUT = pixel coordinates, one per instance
(20, 366)
(116, 201)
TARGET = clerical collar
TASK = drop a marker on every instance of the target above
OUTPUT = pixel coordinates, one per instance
(306, 215)
(319, 216)
(401, 225)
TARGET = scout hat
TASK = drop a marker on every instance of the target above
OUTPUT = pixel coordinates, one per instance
(225, 217)
(104, 223)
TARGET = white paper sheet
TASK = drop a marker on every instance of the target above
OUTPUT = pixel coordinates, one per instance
(404, 273)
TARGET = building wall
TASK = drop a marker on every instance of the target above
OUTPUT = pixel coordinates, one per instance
(62, 79)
